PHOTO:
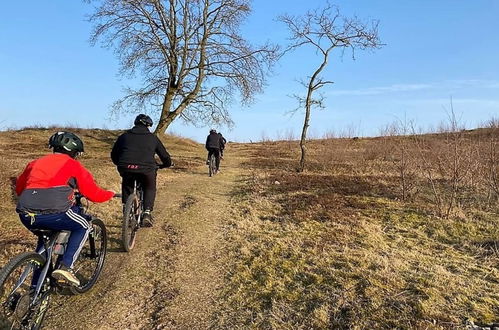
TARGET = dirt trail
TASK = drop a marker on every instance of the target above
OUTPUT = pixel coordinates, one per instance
(170, 279)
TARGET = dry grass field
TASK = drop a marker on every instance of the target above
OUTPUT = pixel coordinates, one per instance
(388, 232)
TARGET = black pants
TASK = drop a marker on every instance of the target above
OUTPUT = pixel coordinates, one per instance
(148, 181)
(215, 151)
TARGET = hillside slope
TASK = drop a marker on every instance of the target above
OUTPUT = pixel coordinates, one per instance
(261, 246)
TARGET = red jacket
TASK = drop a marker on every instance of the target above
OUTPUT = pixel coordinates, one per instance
(47, 185)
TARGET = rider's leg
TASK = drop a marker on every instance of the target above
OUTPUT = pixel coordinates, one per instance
(217, 158)
(73, 221)
(210, 152)
(127, 183)
(148, 180)
(28, 222)
(149, 187)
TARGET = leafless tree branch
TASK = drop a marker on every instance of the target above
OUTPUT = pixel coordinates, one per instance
(189, 55)
(325, 30)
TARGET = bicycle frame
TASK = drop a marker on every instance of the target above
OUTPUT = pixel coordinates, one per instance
(28, 276)
(47, 252)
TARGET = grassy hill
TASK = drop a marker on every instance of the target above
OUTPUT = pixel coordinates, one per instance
(18, 147)
(388, 232)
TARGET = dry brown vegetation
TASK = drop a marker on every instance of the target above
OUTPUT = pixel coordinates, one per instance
(395, 231)
(18, 147)
(388, 232)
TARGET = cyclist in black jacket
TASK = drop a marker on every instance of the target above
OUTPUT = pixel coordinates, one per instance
(213, 147)
(223, 142)
(133, 153)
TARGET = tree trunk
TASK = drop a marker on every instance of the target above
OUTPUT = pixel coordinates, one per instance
(303, 139)
(167, 116)
(165, 121)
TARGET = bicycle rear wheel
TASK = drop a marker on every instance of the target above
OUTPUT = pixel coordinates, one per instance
(18, 309)
(89, 264)
(213, 165)
(130, 225)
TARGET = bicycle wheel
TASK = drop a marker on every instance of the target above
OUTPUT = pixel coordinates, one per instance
(213, 165)
(131, 218)
(18, 309)
(89, 264)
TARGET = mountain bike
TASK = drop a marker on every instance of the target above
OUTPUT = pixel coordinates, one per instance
(26, 282)
(212, 165)
(132, 214)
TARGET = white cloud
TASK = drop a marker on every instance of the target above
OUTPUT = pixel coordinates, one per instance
(470, 103)
(398, 88)
(383, 89)
(476, 83)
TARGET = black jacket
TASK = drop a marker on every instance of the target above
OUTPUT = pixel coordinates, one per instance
(213, 141)
(223, 141)
(135, 150)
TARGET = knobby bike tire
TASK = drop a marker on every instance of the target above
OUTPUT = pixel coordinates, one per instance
(98, 235)
(129, 225)
(33, 316)
(212, 165)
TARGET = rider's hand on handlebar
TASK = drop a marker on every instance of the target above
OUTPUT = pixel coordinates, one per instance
(116, 195)
(160, 166)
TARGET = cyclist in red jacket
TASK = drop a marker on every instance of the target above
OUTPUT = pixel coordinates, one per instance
(46, 197)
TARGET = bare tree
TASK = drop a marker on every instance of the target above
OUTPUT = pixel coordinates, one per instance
(189, 55)
(325, 30)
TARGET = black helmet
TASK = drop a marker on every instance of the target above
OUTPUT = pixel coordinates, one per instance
(143, 120)
(213, 130)
(66, 142)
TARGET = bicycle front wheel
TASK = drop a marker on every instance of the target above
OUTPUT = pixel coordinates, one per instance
(130, 225)
(89, 264)
(19, 309)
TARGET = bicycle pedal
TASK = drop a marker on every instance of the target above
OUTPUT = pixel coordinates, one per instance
(62, 282)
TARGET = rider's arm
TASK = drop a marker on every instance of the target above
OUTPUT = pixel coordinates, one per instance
(22, 179)
(88, 187)
(163, 154)
(115, 151)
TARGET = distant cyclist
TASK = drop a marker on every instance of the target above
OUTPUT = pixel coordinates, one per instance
(213, 146)
(223, 142)
(133, 153)
(46, 197)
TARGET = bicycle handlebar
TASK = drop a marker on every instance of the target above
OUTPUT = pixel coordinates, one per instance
(79, 197)
(162, 166)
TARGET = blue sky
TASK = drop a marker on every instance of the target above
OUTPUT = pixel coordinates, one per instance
(435, 50)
